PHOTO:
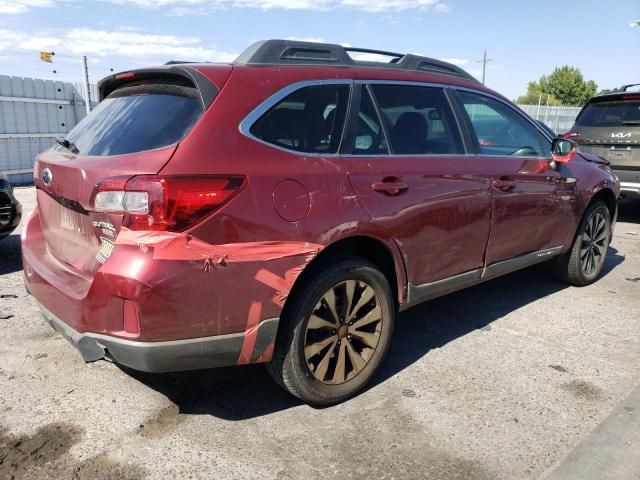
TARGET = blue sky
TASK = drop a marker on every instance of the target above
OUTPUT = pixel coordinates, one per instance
(524, 39)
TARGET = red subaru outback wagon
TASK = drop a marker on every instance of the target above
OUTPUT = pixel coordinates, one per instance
(283, 208)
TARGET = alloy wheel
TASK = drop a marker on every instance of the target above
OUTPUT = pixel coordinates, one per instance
(343, 332)
(594, 244)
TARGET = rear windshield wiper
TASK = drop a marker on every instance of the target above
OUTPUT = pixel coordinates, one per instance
(68, 145)
(631, 122)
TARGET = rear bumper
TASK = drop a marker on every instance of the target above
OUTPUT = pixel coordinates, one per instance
(629, 182)
(629, 189)
(175, 355)
(188, 317)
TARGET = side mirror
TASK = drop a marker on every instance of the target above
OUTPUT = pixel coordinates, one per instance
(562, 150)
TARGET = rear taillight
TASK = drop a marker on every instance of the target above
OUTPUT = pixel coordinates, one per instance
(571, 135)
(174, 203)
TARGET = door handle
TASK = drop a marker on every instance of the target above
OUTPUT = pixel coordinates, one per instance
(504, 183)
(390, 186)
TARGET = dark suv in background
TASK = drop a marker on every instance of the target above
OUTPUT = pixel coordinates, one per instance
(283, 208)
(10, 208)
(609, 126)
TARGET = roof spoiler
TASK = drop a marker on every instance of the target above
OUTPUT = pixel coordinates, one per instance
(624, 88)
(177, 73)
(290, 52)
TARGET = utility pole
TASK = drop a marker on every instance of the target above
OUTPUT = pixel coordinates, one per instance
(86, 84)
(484, 62)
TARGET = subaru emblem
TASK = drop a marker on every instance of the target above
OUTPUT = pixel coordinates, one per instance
(47, 176)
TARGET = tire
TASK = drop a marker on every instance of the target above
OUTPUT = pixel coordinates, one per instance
(336, 370)
(591, 242)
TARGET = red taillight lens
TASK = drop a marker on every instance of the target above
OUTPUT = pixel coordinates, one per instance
(570, 135)
(174, 203)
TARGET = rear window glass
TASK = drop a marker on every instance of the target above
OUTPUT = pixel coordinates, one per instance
(610, 114)
(134, 119)
(309, 120)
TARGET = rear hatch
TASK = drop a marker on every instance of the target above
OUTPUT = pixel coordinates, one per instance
(609, 126)
(134, 130)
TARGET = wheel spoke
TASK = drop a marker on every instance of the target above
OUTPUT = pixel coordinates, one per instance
(600, 238)
(350, 290)
(598, 249)
(356, 360)
(321, 370)
(369, 339)
(365, 297)
(583, 253)
(341, 365)
(330, 300)
(373, 316)
(316, 322)
(315, 348)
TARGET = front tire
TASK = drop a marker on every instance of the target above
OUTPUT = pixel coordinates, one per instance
(335, 333)
(582, 264)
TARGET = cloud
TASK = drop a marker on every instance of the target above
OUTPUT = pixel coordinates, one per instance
(183, 7)
(14, 7)
(126, 44)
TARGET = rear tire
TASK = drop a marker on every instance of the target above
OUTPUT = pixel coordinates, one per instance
(582, 264)
(335, 332)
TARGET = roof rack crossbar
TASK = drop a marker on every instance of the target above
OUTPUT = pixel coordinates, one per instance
(292, 52)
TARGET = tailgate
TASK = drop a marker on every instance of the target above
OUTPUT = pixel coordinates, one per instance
(73, 233)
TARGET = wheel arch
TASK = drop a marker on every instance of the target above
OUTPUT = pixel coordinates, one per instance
(609, 198)
(376, 251)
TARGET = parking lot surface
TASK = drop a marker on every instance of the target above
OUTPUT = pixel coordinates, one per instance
(518, 378)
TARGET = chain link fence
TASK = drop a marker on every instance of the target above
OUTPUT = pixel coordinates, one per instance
(559, 119)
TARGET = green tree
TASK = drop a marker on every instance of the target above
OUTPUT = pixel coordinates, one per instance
(565, 86)
(604, 91)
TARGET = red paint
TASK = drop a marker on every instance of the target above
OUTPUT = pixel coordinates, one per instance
(251, 333)
(131, 321)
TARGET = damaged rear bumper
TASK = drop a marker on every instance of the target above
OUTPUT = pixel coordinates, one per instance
(168, 356)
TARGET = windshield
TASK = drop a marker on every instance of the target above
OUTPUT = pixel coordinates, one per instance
(610, 114)
(138, 118)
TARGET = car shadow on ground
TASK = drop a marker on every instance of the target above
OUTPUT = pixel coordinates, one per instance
(238, 393)
(10, 254)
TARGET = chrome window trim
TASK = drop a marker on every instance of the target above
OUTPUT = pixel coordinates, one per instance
(264, 106)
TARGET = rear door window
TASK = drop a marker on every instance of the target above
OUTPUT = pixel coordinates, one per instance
(137, 118)
(419, 120)
(309, 120)
(610, 114)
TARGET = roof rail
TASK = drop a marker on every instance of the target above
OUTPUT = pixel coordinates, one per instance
(624, 88)
(291, 52)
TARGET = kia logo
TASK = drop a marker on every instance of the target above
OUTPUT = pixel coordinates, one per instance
(621, 135)
(47, 176)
